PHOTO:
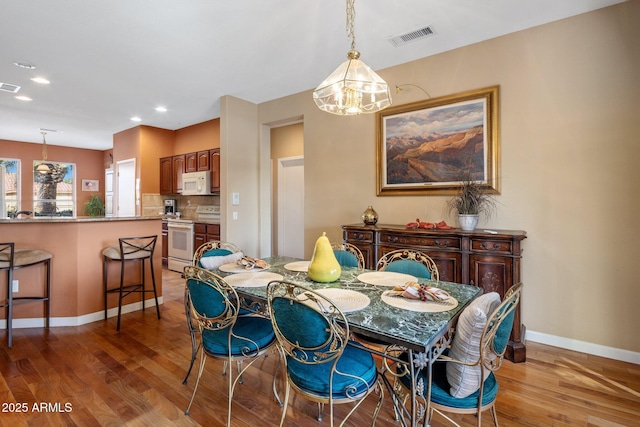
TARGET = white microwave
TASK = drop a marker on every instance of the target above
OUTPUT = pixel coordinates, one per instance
(196, 183)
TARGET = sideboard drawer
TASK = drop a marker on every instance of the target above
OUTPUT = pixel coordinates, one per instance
(433, 242)
(494, 246)
(359, 236)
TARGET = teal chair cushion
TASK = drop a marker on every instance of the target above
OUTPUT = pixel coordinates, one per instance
(354, 360)
(346, 259)
(210, 303)
(408, 266)
(248, 332)
(440, 388)
(296, 322)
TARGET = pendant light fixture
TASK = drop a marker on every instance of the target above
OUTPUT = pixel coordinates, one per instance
(353, 88)
(43, 168)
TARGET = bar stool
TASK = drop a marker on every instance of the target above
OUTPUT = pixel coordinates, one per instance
(12, 259)
(130, 249)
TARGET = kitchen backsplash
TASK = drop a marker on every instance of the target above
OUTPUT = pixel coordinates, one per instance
(153, 204)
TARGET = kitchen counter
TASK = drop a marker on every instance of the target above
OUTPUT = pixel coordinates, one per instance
(59, 219)
(76, 267)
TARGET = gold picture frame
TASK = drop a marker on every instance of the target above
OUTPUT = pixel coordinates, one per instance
(431, 146)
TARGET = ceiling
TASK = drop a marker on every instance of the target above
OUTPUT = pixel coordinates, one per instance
(109, 60)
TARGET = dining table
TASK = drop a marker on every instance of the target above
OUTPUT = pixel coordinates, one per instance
(408, 335)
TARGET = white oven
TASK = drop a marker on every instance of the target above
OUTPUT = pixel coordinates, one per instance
(180, 240)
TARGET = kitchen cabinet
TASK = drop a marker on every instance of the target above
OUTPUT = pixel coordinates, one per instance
(178, 163)
(172, 168)
(204, 232)
(214, 167)
(490, 261)
(191, 162)
(166, 175)
(203, 160)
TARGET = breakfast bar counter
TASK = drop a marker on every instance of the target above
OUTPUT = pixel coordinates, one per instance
(76, 267)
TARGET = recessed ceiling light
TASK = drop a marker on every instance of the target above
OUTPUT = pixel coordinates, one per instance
(161, 109)
(40, 80)
(136, 119)
(23, 98)
(24, 65)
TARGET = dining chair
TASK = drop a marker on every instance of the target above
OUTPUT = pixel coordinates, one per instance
(405, 261)
(220, 250)
(411, 262)
(223, 334)
(320, 361)
(463, 379)
(348, 255)
(214, 248)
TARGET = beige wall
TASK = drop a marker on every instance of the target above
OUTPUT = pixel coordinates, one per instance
(569, 107)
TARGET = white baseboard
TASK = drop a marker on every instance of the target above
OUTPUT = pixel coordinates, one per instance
(38, 322)
(584, 347)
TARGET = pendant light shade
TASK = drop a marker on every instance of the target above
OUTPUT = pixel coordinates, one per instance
(43, 168)
(353, 88)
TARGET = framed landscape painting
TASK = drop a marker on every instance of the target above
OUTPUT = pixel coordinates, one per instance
(430, 147)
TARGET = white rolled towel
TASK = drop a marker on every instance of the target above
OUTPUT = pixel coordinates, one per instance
(213, 262)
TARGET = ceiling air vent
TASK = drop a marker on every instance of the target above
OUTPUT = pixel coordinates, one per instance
(411, 36)
(9, 87)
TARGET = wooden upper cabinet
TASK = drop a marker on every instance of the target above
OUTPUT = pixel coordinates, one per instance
(191, 162)
(178, 170)
(166, 175)
(172, 168)
(214, 167)
(203, 160)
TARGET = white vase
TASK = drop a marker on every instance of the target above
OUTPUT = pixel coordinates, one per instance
(468, 222)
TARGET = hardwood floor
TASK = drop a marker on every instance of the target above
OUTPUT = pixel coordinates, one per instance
(91, 375)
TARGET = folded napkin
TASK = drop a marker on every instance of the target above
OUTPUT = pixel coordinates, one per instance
(442, 225)
(213, 262)
(419, 291)
(250, 263)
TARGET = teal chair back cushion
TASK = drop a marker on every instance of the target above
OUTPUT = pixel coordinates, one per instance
(408, 266)
(502, 334)
(346, 259)
(299, 323)
(206, 300)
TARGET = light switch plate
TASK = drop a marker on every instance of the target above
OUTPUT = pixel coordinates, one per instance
(235, 199)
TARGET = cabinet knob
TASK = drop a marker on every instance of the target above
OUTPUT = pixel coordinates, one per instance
(445, 244)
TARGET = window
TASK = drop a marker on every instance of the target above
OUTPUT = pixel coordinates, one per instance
(54, 191)
(10, 186)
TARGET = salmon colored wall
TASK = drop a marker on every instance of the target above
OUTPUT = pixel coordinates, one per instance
(76, 268)
(154, 144)
(89, 165)
(201, 136)
(126, 145)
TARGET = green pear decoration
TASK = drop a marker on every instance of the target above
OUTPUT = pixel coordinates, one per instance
(324, 266)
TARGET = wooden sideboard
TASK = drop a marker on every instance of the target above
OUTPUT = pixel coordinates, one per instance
(479, 258)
